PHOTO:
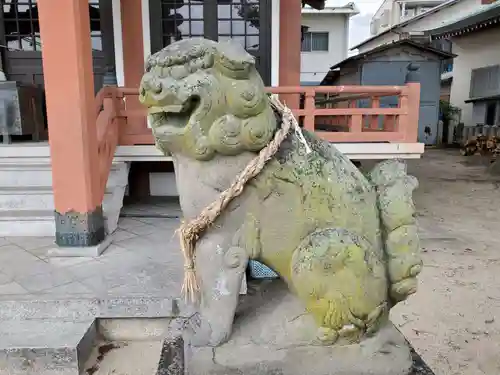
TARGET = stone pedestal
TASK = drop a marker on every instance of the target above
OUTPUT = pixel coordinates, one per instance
(272, 335)
(80, 234)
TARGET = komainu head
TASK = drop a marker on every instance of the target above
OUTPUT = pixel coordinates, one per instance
(204, 98)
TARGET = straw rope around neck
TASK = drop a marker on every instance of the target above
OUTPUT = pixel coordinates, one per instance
(190, 232)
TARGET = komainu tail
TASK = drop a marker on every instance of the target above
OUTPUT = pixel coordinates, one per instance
(399, 227)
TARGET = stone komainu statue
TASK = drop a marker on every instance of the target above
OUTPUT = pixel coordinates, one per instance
(346, 244)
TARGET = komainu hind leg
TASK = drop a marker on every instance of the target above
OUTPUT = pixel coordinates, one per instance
(342, 282)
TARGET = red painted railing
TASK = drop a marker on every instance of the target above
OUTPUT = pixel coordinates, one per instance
(337, 117)
(108, 105)
(332, 112)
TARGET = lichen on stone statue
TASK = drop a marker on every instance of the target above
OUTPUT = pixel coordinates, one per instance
(345, 244)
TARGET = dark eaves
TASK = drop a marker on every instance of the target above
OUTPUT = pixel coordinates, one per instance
(316, 4)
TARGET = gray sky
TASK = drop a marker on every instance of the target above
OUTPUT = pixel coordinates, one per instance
(360, 24)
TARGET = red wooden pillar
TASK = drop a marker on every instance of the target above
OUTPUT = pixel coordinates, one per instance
(133, 47)
(290, 35)
(69, 90)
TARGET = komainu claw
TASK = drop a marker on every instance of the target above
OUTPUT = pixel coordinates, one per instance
(374, 319)
(350, 333)
(327, 336)
(415, 270)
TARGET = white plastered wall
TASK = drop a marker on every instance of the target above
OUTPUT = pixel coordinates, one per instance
(473, 51)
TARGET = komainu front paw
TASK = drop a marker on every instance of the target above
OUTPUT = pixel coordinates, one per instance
(336, 321)
(407, 286)
(202, 334)
(348, 334)
(376, 318)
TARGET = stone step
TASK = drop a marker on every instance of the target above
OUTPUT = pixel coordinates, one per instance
(45, 347)
(121, 358)
(139, 347)
(40, 175)
(155, 357)
(80, 343)
(78, 308)
(35, 199)
(28, 224)
(27, 202)
(50, 347)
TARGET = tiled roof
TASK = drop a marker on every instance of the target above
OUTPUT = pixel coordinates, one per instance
(396, 27)
(486, 16)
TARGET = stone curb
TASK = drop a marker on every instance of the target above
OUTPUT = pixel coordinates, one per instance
(87, 308)
(172, 360)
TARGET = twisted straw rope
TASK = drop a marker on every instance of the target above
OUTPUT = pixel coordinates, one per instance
(190, 232)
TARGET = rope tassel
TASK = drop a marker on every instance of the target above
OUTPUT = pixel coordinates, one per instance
(190, 232)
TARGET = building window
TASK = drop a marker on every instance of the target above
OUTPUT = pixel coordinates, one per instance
(409, 12)
(444, 45)
(95, 25)
(181, 19)
(315, 42)
(485, 81)
(239, 21)
(22, 30)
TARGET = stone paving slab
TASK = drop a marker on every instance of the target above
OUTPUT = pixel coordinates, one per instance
(48, 305)
(139, 274)
(140, 252)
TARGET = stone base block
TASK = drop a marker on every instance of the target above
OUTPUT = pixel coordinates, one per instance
(385, 354)
(88, 251)
(273, 335)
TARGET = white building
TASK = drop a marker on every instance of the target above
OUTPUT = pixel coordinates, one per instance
(475, 87)
(326, 41)
(418, 26)
(392, 12)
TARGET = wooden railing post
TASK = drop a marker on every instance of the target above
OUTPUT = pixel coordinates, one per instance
(411, 130)
(309, 107)
(107, 122)
(356, 123)
(375, 103)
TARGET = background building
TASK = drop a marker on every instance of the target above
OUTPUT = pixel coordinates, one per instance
(325, 40)
(416, 27)
(475, 83)
(392, 12)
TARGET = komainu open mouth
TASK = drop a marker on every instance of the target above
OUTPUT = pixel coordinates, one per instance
(175, 115)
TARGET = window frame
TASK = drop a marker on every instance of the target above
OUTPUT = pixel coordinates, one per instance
(310, 34)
